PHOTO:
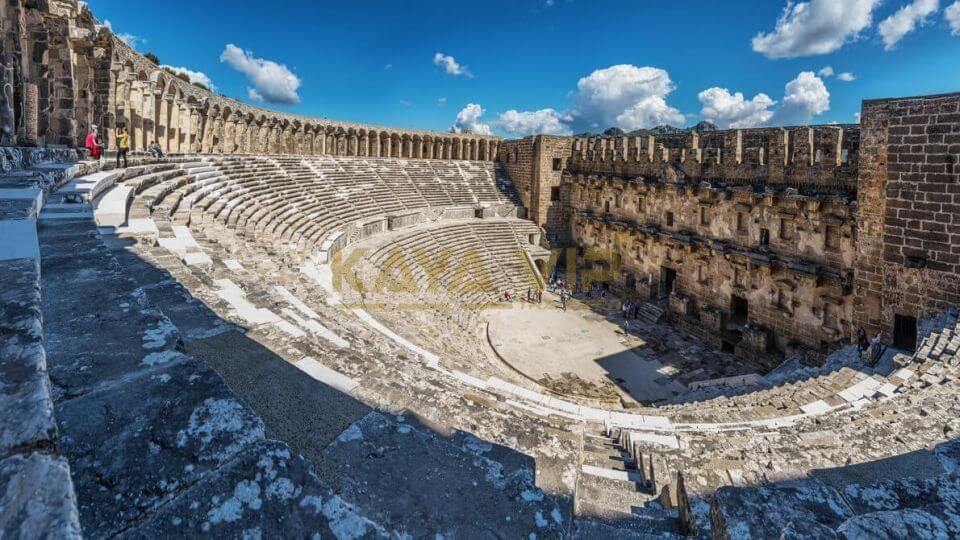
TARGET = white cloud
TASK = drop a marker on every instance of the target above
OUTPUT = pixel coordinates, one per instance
(451, 66)
(905, 20)
(815, 27)
(733, 111)
(468, 121)
(856, 116)
(127, 38)
(273, 83)
(626, 96)
(442, 101)
(544, 121)
(952, 15)
(194, 76)
(804, 97)
(845, 76)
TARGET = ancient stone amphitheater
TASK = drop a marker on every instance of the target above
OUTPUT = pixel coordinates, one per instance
(295, 327)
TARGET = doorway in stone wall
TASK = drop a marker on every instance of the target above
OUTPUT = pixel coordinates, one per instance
(739, 310)
(630, 282)
(668, 280)
(905, 332)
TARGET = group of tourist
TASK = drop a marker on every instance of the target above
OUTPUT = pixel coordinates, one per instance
(534, 296)
(597, 291)
(629, 310)
(95, 146)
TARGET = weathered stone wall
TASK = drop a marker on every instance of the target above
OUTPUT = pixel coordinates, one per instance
(790, 256)
(63, 72)
(908, 249)
(46, 51)
(766, 216)
(536, 166)
(822, 157)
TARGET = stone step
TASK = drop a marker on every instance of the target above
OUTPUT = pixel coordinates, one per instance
(590, 529)
(67, 211)
(612, 492)
(617, 462)
(650, 313)
(154, 438)
(626, 477)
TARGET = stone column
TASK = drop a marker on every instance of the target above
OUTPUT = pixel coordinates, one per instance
(172, 141)
(195, 133)
(229, 134)
(320, 142)
(31, 114)
(8, 121)
(161, 121)
(149, 115)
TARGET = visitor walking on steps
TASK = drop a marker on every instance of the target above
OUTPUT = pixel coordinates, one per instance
(123, 145)
(93, 144)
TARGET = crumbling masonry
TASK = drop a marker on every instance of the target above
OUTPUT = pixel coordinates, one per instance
(770, 242)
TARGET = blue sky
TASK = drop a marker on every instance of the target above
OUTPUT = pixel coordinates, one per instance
(553, 62)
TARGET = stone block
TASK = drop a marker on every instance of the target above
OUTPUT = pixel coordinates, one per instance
(266, 491)
(36, 498)
(26, 410)
(165, 430)
(767, 511)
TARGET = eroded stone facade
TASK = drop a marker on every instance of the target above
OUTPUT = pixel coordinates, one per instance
(908, 251)
(63, 72)
(746, 235)
(752, 237)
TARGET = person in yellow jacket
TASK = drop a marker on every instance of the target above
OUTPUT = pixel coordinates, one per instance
(123, 145)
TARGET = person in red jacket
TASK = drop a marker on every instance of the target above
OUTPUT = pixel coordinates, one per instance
(93, 143)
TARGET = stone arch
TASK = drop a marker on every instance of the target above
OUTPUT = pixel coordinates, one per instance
(227, 131)
(364, 141)
(306, 139)
(341, 141)
(396, 145)
(330, 146)
(292, 136)
(416, 146)
(385, 146)
(428, 146)
(352, 142)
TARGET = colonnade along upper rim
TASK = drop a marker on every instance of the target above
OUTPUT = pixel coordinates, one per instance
(109, 84)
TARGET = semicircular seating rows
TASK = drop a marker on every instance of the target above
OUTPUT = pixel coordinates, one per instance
(787, 429)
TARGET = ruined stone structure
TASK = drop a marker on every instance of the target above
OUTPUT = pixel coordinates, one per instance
(908, 246)
(754, 237)
(181, 356)
(747, 234)
(66, 73)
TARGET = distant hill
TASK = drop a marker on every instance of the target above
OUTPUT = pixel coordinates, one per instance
(701, 127)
